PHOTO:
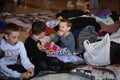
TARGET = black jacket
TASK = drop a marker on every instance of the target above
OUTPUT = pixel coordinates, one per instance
(34, 54)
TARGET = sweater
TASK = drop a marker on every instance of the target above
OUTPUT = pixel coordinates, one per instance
(11, 55)
(66, 41)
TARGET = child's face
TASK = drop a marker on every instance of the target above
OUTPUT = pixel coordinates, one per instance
(13, 38)
(63, 27)
(42, 35)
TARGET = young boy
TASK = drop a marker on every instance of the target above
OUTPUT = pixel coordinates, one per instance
(35, 53)
(65, 37)
(13, 48)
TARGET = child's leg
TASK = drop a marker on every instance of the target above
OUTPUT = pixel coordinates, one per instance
(40, 66)
(43, 65)
(17, 67)
(54, 63)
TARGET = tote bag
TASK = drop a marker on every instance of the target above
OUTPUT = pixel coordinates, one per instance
(97, 53)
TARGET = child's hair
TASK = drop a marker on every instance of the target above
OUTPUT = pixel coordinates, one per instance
(69, 24)
(12, 27)
(38, 27)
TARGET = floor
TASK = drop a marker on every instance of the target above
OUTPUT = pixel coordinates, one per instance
(28, 6)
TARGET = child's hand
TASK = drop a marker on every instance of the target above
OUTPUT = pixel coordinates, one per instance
(30, 72)
(60, 33)
(24, 75)
(51, 45)
(40, 47)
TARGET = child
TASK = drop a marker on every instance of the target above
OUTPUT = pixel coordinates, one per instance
(13, 48)
(66, 52)
(37, 55)
(65, 37)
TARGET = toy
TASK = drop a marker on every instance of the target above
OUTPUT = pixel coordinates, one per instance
(54, 48)
(28, 73)
(47, 48)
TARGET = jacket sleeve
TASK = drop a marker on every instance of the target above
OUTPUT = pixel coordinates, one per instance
(24, 59)
(55, 39)
(67, 40)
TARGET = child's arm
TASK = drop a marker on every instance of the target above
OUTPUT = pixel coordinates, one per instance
(24, 59)
(67, 40)
(51, 47)
(52, 44)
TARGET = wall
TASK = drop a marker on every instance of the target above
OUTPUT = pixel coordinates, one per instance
(111, 4)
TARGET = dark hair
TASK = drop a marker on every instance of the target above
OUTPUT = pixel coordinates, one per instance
(38, 27)
(69, 23)
(12, 27)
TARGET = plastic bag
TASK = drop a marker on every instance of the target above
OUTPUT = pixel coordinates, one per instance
(98, 53)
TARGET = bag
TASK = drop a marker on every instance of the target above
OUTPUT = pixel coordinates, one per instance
(98, 53)
(115, 37)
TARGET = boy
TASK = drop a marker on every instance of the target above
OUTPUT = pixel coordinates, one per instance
(66, 52)
(35, 53)
(13, 48)
(65, 37)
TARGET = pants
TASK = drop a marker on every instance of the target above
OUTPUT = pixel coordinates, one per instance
(50, 63)
(17, 67)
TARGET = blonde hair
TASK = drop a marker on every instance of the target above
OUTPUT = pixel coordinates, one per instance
(69, 24)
